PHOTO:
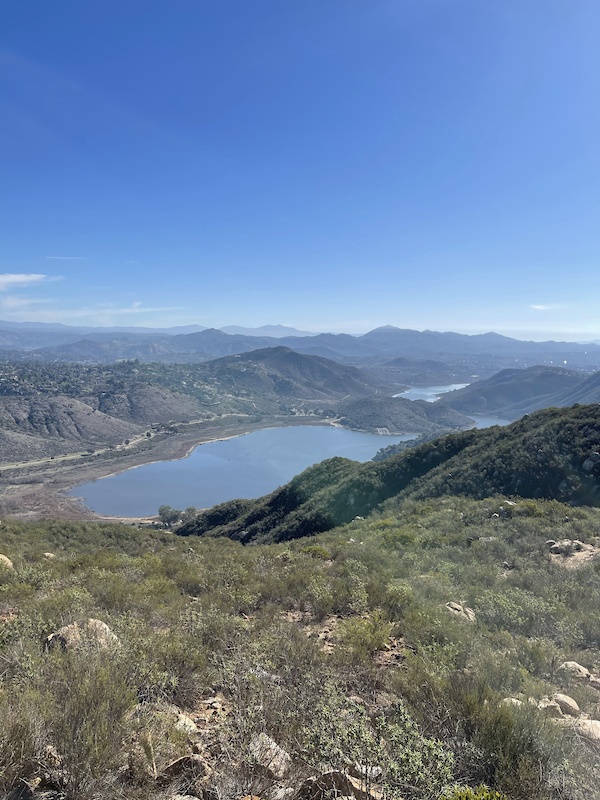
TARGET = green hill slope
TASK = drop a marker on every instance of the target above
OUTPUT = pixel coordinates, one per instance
(512, 387)
(551, 454)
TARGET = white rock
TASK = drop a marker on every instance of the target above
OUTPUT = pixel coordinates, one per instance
(88, 634)
(567, 704)
(461, 611)
(550, 707)
(511, 701)
(574, 670)
(270, 756)
(5, 562)
(590, 728)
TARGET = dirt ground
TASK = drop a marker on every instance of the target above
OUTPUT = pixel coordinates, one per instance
(39, 490)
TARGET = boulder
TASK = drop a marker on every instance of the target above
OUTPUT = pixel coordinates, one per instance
(272, 758)
(49, 556)
(185, 723)
(337, 784)
(461, 611)
(550, 707)
(183, 797)
(90, 634)
(572, 669)
(590, 728)
(511, 701)
(6, 563)
(563, 547)
(567, 705)
(188, 765)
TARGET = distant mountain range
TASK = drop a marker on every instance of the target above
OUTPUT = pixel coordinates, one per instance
(456, 354)
(274, 331)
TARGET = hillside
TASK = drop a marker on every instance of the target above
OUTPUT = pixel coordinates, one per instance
(512, 393)
(48, 409)
(282, 371)
(434, 651)
(512, 388)
(426, 372)
(400, 416)
(586, 391)
(551, 454)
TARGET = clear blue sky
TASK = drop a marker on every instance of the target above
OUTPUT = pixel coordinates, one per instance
(328, 164)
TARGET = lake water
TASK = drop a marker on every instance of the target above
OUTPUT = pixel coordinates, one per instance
(246, 466)
(429, 393)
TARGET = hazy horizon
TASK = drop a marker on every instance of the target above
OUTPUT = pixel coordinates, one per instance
(524, 336)
(336, 165)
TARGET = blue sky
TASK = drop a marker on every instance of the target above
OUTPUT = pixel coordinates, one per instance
(328, 164)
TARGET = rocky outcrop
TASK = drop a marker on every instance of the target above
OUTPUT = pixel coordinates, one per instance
(461, 611)
(565, 547)
(567, 705)
(563, 710)
(337, 784)
(6, 563)
(91, 634)
(270, 757)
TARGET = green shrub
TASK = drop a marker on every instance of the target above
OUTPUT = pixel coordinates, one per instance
(316, 551)
(412, 765)
(83, 699)
(480, 793)
(364, 636)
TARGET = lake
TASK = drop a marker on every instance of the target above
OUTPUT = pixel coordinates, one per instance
(429, 393)
(245, 466)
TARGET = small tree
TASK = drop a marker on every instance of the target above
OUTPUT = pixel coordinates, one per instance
(168, 514)
(190, 513)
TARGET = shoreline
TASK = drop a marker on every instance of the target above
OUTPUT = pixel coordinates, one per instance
(42, 492)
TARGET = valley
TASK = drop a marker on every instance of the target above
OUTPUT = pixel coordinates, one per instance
(66, 423)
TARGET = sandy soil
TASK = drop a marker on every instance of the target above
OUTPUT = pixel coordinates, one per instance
(39, 488)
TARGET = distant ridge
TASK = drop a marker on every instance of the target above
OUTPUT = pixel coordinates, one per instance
(512, 393)
(274, 331)
(471, 355)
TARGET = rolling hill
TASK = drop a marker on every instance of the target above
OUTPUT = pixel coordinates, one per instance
(46, 409)
(512, 393)
(400, 416)
(512, 388)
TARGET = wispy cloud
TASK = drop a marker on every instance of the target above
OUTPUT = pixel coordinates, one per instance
(11, 302)
(541, 307)
(21, 309)
(135, 308)
(10, 280)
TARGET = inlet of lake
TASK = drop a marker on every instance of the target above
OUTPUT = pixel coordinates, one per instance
(245, 466)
